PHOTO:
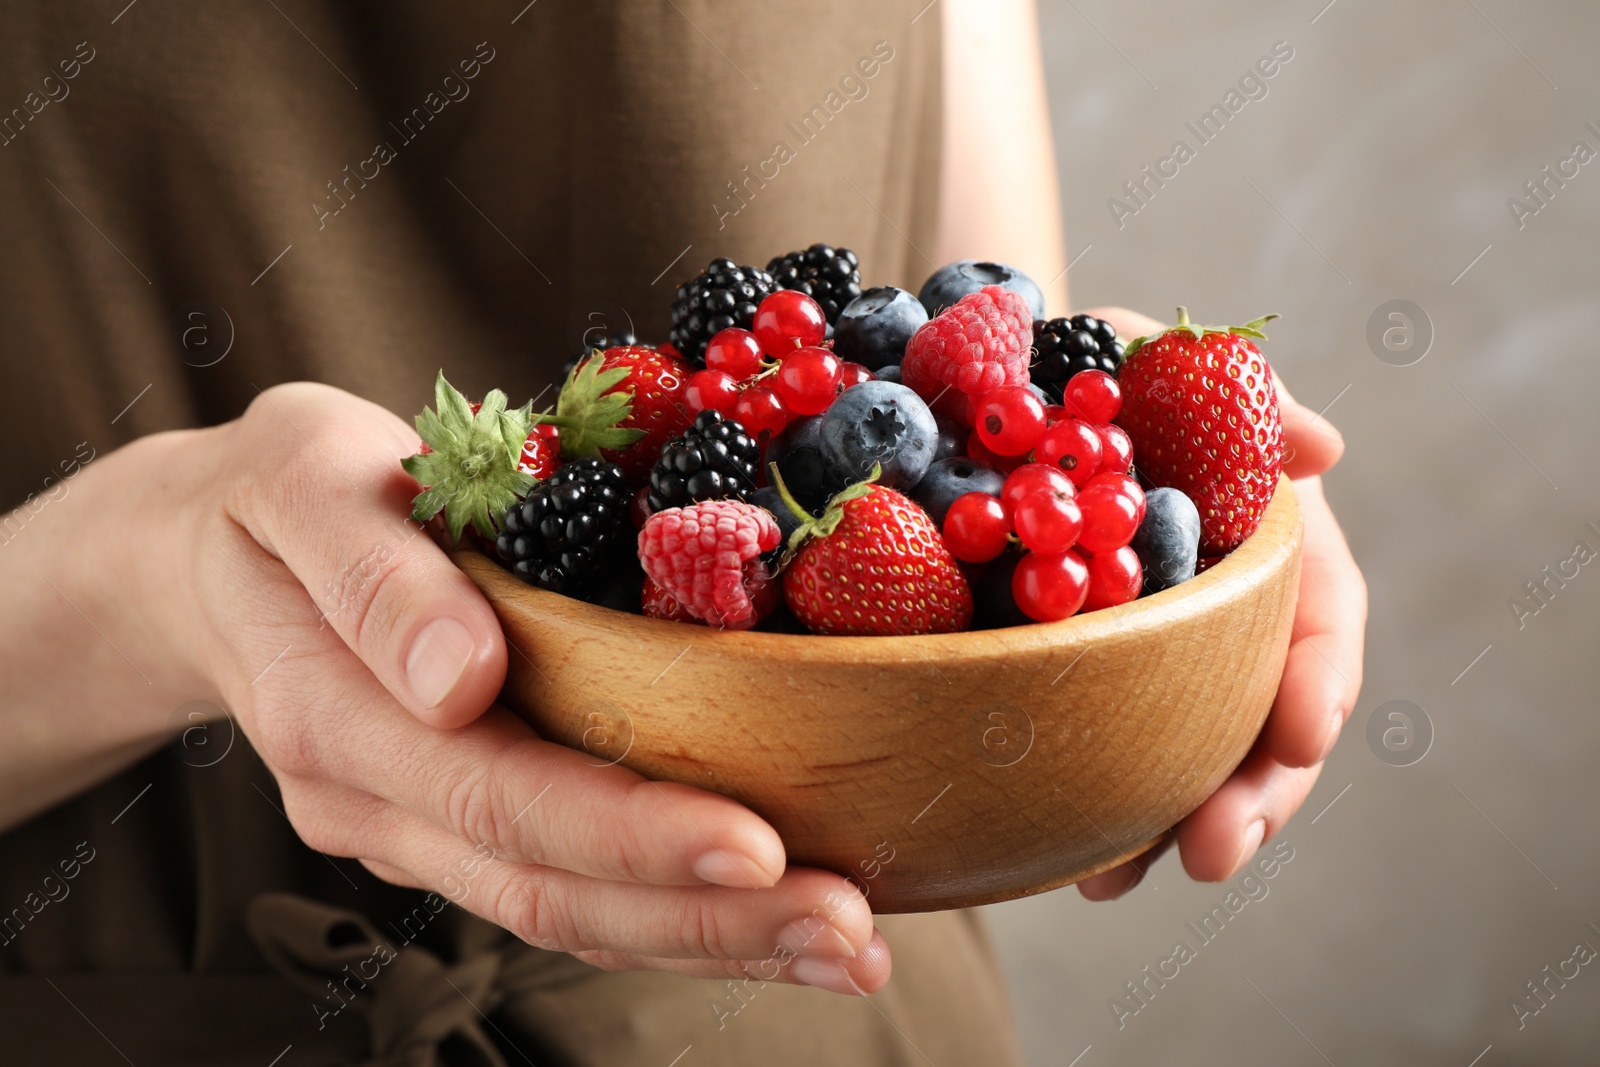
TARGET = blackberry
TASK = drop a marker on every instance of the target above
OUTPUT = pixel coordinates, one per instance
(714, 458)
(1063, 347)
(723, 295)
(830, 276)
(569, 527)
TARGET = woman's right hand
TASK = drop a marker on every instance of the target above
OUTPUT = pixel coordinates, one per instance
(270, 565)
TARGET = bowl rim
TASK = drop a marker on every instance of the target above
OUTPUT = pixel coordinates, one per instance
(1279, 535)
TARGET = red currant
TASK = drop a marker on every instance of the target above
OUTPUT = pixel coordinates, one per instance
(1072, 446)
(975, 528)
(760, 411)
(1114, 578)
(807, 380)
(1092, 395)
(710, 390)
(1116, 449)
(1125, 484)
(1009, 419)
(1109, 518)
(1054, 413)
(1048, 521)
(1030, 477)
(1049, 587)
(853, 374)
(787, 320)
(734, 351)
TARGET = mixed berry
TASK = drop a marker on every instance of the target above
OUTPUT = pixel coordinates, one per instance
(808, 455)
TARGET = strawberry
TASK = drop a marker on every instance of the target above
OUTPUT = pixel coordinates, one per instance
(622, 404)
(873, 564)
(1201, 410)
(471, 461)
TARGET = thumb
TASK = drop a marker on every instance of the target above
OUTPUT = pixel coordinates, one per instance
(332, 503)
(1311, 444)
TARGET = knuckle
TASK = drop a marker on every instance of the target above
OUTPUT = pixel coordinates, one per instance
(476, 808)
(701, 931)
(523, 906)
(281, 735)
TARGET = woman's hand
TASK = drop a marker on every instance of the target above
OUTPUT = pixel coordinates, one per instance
(1320, 678)
(270, 566)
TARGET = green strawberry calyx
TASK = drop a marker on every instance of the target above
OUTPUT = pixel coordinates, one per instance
(470, 468)
(818, 525)
(1251, 329)
(589, 414)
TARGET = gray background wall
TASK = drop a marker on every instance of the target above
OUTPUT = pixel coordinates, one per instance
(1418, 906)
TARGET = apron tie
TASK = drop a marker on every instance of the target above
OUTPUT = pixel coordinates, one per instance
(420, 1011)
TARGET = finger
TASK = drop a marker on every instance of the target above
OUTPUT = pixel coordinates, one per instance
(1311, 444)
(333, 506)
(867, 973)
(392, 875)
(810, 913)
(316, 714)
(1224, 832)
(1322, 675)
(1109, 885)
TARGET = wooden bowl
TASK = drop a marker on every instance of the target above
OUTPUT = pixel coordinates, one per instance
(937, 771)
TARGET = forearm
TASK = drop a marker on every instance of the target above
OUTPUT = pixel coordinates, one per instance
(88, 682)
(999, 196)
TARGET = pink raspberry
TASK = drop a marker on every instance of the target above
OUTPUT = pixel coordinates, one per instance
(707, 557)
(981, 342)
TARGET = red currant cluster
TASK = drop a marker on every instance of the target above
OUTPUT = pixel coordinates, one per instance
(1073, 506)
(776, 371)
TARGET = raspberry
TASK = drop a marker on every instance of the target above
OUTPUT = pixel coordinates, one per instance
(707, 557)
(657, 603)
(981, 343)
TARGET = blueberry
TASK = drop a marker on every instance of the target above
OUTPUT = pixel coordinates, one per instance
(874, 327)
(955, 280)
(889, 373)
(993, 606)
(952, 439)
(1168, 540)
(880, 424)
(797, 451)
(768, 497)
(950, 478)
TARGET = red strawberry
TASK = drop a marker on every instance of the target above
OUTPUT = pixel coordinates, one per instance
(978, 344)
(1202, 412)
(622, 406)
(875, 564)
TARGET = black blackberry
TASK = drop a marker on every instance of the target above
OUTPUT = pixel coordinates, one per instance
(569, 527)
(712, 459)
(723, 295)
(830, 276)
(1063, 347)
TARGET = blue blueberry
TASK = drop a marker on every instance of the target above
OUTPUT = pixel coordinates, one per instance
(952, 439)
(797, 451)
(950, 478)
(879, 424)
(1168, 540)
(768, 497)
(955, 280)
(993, 605)
(874, 327)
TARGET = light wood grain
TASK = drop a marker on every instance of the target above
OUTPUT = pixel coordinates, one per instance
(937, 771)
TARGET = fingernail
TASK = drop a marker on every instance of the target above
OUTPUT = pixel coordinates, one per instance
(1253, 836)
(723, 866)
(824, 974)
(1333, 733)
(814, 938)
(438, 658)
